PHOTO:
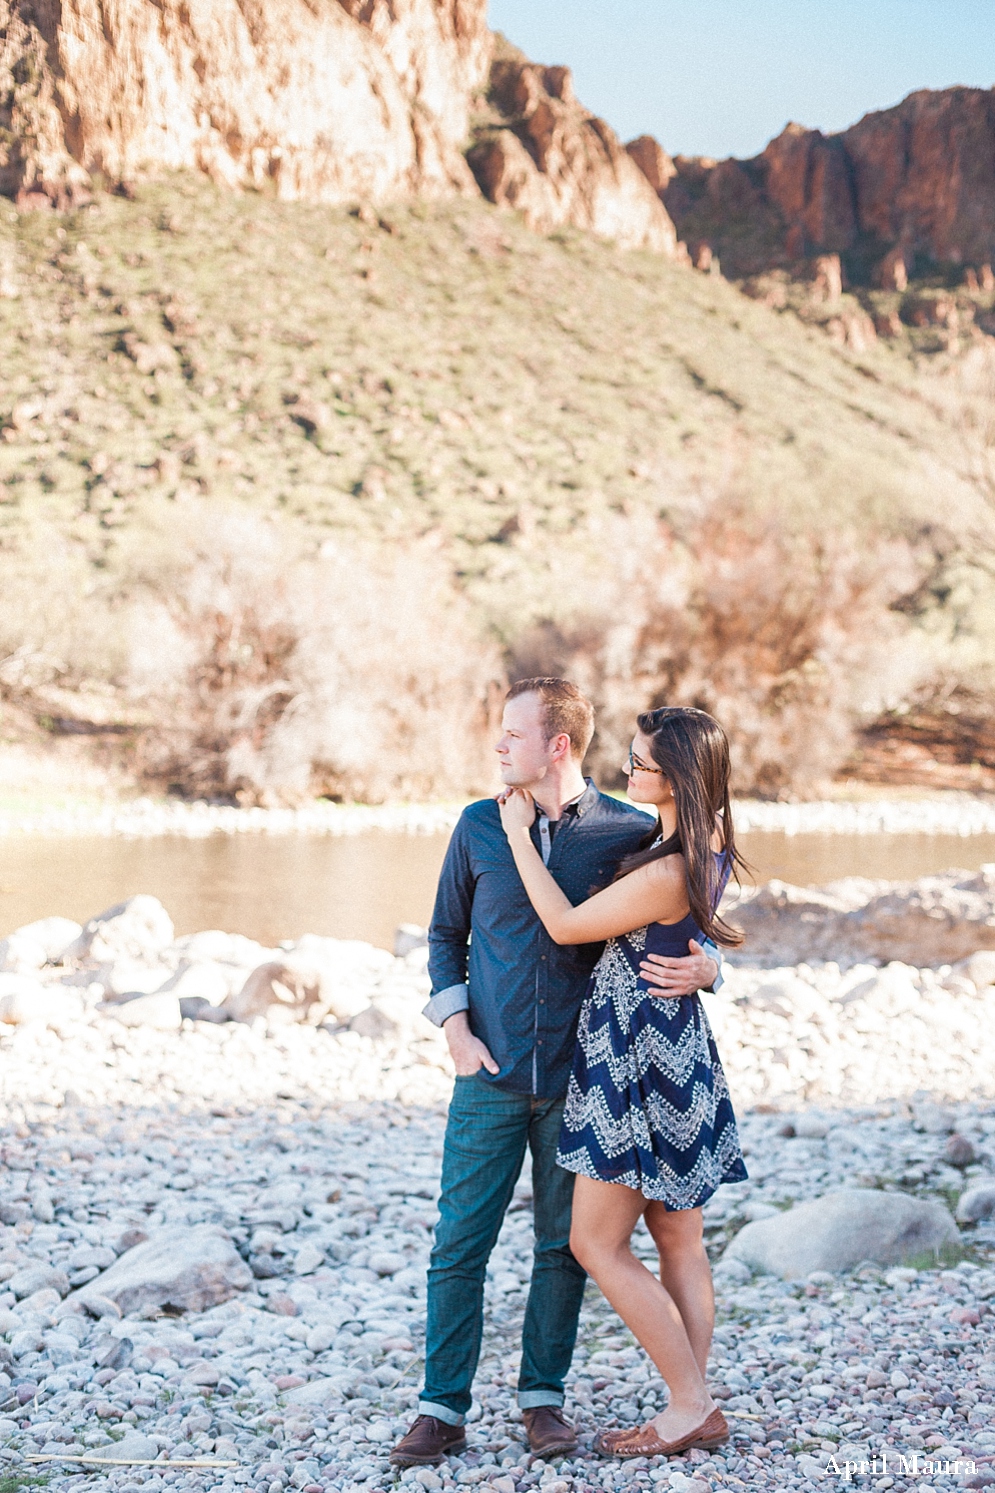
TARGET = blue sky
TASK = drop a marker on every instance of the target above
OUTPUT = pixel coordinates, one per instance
(720, 78)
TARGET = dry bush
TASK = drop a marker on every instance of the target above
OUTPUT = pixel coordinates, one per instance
(357, 673)
(270, 673)
(791, 641)
(59, 623)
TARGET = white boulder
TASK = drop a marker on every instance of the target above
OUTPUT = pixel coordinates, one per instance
(214, 946)
(347, 969)
(935, 920)
(159, 1012)
(841, 1228)
(138, 929)
(980, 968)
(24, 999)
(188, 1268)
(37, 944)
(19, 954)
(206, 980)
(130, 977)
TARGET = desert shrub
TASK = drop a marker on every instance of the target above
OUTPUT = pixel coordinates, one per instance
(58, 619)
(791, 640)
(261, 667)
(356, 672)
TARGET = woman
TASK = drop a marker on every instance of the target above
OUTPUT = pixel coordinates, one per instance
(648, 1126)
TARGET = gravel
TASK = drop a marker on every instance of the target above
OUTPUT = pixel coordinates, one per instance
(317, 1151)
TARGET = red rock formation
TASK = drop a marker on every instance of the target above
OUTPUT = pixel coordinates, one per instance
(545, 155)
(653, 161)
(924, 174)
(329, 101)
(909, 186)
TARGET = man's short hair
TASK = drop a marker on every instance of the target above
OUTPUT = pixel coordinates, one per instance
(565, 711)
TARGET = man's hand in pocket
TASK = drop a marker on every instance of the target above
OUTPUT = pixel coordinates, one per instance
(468, 1053)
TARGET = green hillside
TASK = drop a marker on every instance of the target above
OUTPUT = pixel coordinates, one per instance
(557, 438)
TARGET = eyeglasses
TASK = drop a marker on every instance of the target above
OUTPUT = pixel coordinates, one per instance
(634, 764)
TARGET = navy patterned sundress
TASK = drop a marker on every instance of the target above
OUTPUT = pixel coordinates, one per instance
(648, 1104)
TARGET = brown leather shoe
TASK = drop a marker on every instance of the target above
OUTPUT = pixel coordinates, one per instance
(428, 1441)
(643, 1441)
(550, 1433)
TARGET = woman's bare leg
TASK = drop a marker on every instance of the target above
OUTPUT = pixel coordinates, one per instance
(604, 1215)
(685, 1272)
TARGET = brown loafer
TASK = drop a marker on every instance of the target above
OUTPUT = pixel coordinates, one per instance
(644, 1442)
(606, 1441)
(550, 1433)
(428, 1441)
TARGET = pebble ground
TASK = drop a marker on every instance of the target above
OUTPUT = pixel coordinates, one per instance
(321, 1158)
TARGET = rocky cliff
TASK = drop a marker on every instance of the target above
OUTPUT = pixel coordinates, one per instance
(903, 191)
(331, 100)
(540, 151)
(325, 100)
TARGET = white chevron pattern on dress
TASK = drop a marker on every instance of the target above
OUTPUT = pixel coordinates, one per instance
(648, 1104)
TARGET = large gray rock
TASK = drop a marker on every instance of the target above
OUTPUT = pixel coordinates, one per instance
(138, 929)
(38, 1277)
(838, 1230)
(394, 1016)
(407, 937)
(324, 1391)
(935, 920)
(977, 1202)
(190, 1269)
(133, 1447)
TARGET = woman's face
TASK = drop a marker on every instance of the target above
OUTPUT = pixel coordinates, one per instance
(646, 785)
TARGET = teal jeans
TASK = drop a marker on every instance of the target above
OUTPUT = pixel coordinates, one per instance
(486, 1137)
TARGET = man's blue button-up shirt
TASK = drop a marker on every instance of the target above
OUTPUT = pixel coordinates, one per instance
(490, 954)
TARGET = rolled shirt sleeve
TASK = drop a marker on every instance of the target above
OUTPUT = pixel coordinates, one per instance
(447, 1003)
(449, 932)
(714, 952)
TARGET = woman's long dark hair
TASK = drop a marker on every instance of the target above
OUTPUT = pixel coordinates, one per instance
(691, 749)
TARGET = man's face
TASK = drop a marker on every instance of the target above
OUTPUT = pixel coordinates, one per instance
(524, 754)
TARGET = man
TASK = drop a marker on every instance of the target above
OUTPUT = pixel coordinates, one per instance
(508, 999)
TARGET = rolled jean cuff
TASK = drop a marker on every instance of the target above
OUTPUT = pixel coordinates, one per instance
(441, 1412)
(531, 1399)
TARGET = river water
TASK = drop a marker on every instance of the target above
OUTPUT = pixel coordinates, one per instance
(275, 887)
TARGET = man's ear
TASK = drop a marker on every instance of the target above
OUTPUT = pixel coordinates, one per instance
(560, 747)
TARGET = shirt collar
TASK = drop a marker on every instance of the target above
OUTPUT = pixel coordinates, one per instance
(588, 798)
(578, 805)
